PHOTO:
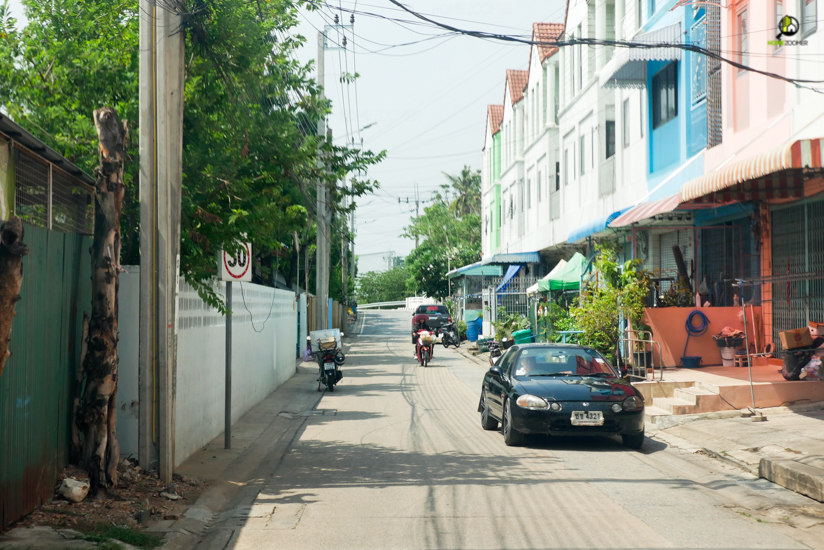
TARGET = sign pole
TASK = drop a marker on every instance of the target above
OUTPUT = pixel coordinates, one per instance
(228, 408)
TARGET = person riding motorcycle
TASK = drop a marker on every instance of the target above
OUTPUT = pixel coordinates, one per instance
(418, 324)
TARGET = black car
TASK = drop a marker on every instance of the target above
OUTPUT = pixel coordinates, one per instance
(438, 316)
(559, 389)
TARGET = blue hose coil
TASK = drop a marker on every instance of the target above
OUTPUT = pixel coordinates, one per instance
(693, 330)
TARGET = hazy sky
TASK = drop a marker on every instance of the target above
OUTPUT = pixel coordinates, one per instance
(428, 99)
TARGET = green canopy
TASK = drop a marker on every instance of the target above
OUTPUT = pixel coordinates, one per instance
(567, 278)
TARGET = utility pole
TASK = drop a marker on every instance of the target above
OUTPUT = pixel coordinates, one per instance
(322, 233)
(417, 211)
(161, 175)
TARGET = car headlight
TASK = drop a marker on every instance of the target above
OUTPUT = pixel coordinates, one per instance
(531, 402)
(555, 406)
(633, 403)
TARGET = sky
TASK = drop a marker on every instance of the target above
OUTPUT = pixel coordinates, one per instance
(427, 100)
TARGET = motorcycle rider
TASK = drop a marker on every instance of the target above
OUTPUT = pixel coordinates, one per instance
(419, 324)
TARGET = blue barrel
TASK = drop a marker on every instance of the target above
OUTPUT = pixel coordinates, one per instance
(472, 331)
(480, 322)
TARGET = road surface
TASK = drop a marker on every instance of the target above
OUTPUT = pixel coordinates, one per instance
(395, 458)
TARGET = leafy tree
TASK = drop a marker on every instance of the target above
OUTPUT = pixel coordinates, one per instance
(250, 150)
(467, 186)
(386, 286)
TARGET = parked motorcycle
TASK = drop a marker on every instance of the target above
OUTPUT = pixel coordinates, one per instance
(449, 336)
(494, 351)
(426, 345)
(329, 359)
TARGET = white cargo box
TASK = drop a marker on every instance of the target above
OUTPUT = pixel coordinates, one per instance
(321, 336)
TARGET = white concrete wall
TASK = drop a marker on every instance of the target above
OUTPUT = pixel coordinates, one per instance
(264, 325)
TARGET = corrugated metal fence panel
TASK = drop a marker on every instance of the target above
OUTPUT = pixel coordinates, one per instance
(35, 388)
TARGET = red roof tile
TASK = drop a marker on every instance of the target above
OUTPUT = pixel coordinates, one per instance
(547, 32)
(517, 81)
(495, 114)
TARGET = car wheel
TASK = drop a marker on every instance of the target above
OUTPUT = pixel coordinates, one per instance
(633, 441)
(512, 437)
(487, 422)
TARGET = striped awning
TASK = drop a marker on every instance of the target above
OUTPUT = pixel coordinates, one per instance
(647, 210)
(774, 174)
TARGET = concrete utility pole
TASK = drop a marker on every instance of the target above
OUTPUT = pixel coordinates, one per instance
(344, 255)
(161, 174)
(417, 211)
(322, 233)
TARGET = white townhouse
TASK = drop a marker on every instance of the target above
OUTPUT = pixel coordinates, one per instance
(513, 198)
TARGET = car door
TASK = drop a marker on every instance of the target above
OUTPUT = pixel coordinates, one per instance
(499, 385)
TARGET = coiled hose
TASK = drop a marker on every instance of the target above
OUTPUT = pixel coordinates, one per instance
(693, 330)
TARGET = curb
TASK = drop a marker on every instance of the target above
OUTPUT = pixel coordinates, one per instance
(793, 475)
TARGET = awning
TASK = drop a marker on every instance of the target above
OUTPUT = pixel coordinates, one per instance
(510, 272)
(476, 270)
(513, 258)
(568, 277)
(593, 227)
(776, 174)
(628, 66)
(558, 267)
(647, 210)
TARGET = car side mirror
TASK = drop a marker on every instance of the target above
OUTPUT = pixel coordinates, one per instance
(496, 371)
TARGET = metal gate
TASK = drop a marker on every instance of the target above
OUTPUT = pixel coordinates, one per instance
(797, 247)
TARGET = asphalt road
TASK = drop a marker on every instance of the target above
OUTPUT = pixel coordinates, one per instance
(397, 459)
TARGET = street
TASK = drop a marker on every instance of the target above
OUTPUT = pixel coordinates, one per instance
(395, 458)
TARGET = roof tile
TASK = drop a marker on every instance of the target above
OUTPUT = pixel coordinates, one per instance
(495, 113)
(547, 32)
(517, 81)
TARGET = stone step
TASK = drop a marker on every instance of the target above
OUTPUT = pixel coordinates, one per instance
(691, 394)
(673, 405)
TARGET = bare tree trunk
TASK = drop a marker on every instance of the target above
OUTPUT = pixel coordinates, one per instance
(98, 410)
(78, 391)
(12, 251)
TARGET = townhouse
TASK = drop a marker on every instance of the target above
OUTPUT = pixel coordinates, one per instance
(660, 146)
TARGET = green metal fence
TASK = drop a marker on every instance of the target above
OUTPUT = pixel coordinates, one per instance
(36, 387)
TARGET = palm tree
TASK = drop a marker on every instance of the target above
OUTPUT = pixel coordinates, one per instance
(467, 188)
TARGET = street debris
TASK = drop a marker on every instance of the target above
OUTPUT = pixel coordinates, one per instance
(73, 490)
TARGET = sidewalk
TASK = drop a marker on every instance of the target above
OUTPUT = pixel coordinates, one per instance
(787, 449)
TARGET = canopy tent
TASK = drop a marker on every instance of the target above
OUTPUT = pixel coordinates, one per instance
(510, 273)
(476, 270)
(558, 267)
(566, 278)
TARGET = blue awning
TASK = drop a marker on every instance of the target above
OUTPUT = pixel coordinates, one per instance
(513, 258)
(476, 270)
(510, 272)
(595, 226)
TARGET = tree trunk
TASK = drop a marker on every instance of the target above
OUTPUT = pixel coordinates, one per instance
(98, 412)
(12, 251)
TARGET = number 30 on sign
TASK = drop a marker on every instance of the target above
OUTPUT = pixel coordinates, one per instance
(236, 268)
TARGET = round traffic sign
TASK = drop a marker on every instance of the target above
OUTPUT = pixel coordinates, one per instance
(237, 267)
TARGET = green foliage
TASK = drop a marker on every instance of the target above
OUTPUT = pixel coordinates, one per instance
(104, 533)
(507, 323)
(388, 286)
(622, 289)
(556, 319)
(249, 149)
(462, 329)
(449, 234)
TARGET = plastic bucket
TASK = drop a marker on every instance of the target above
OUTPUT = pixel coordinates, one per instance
(472, 331)
(728, 357)
(691, 362)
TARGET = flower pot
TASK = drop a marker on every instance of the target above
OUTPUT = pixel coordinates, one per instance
(729, 342)
(508, 344)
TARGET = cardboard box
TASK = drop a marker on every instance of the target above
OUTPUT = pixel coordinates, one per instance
(798, 338)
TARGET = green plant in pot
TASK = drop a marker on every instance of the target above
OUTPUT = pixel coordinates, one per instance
(507, 323)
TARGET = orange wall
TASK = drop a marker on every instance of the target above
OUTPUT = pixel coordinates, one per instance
(669, 329)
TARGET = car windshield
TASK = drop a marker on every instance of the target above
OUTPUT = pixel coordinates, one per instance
(562, 362)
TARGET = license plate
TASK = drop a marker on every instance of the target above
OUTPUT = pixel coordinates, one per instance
(587, 418)
(329, 366)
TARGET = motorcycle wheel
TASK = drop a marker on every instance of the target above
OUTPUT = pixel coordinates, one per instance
(330, 383)
(320, 381)
(446, 344)
(424, 358)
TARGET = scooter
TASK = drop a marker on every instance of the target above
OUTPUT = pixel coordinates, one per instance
(494, 351)
(449, 336)
(329, 359)
(425, 347)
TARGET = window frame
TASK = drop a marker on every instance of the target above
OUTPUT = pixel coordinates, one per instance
(582, 154)
(566, 166)
(742, 38)
(805, 32)
(778, 14)
(669, 75)
(609, 150)
(626, 126)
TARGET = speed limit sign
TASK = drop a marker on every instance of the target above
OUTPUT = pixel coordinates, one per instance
(236, 268)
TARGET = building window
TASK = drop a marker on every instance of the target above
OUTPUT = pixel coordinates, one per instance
(639, 5)
(778, 15)
(625, 120)
(641, 111)
(592, 144)
(580, 62)
(557, 176)
(665, 95)
(538, 184)
(529, 193)
(809, 20)
(610, 138)
(582, 154)
(566, 166)
(743, 38)
(698, 34)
